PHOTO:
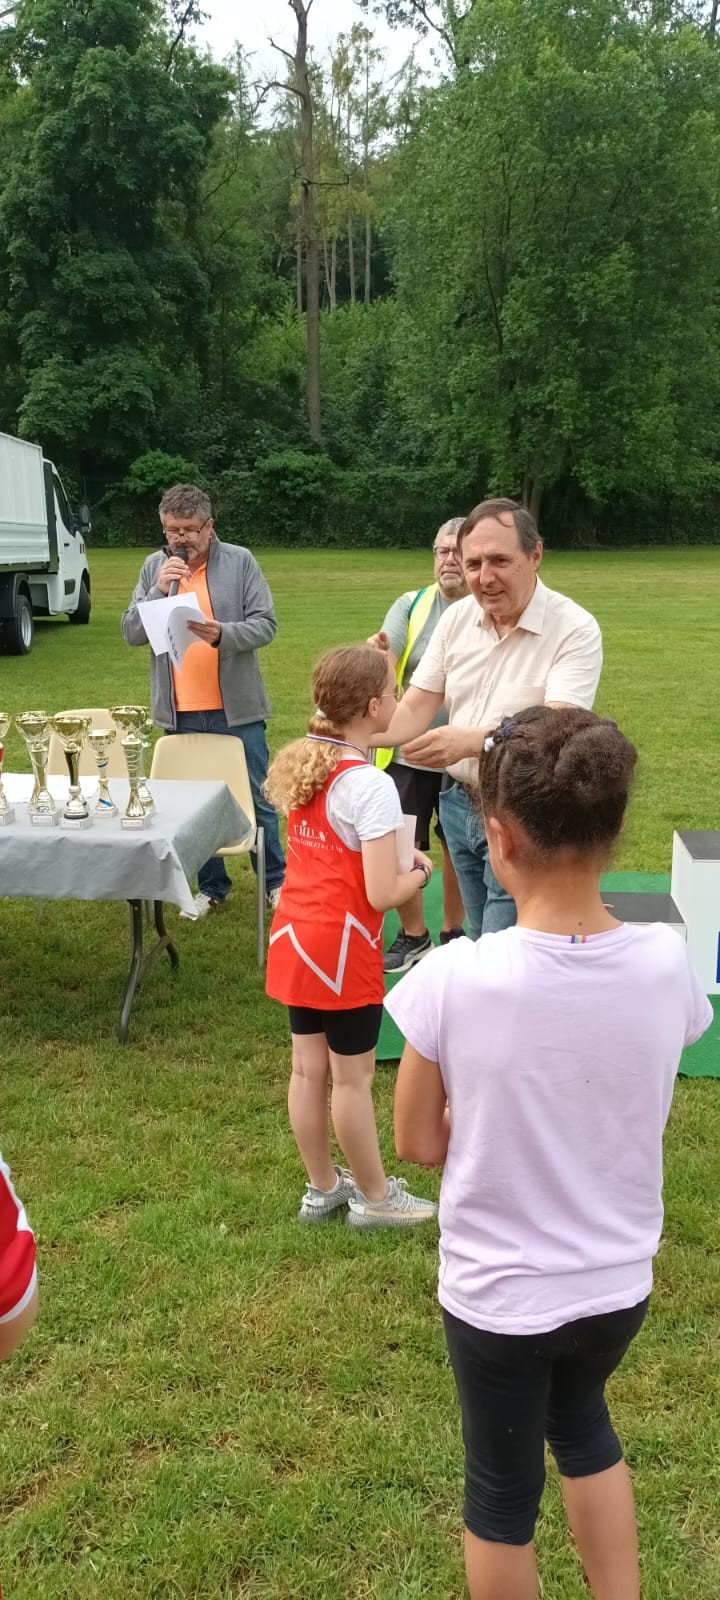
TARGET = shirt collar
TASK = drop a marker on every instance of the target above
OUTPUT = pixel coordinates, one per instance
(532, 618)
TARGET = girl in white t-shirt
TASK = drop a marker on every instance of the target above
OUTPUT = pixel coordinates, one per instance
(539, 1069)
(325, 956)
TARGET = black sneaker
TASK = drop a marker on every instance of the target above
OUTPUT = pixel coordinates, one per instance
(451, 933)
(406, 950)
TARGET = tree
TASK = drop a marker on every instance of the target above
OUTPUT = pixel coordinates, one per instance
(557, 259)
(99, 200)
(299, 85)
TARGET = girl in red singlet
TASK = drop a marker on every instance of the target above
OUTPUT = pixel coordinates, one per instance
(325, 956)
(18, 1278)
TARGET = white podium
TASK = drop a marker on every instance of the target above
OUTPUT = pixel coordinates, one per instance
(695, 888)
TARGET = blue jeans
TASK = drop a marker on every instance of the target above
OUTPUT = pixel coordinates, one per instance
(213, 880)
(487, 907)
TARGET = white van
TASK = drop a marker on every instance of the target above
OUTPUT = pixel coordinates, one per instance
(43, 561)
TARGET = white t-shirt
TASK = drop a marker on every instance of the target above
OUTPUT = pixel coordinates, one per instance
(363, 803)
(558, 1060)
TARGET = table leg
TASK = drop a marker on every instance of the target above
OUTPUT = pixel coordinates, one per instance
(141, 959)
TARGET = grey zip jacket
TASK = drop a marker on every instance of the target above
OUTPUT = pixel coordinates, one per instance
(242, 603)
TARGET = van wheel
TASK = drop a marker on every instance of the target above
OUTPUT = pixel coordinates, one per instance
(17, 634)
(82, 609)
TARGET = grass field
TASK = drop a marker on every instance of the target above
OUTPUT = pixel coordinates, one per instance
(215, 1403)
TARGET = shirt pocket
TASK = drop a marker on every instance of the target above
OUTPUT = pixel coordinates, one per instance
(514, 696)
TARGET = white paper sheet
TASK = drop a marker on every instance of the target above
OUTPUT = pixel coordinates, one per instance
(165, 623)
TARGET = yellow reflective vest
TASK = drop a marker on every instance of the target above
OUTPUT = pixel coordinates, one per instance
(420, 607)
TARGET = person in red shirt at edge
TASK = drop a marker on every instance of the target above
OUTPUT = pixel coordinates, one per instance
(325, 955)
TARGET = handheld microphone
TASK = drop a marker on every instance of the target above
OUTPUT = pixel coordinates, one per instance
(182, 553)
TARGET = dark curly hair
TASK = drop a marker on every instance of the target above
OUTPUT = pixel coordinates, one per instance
(564, 774)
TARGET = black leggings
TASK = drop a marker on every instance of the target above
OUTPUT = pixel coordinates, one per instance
(515, 1392)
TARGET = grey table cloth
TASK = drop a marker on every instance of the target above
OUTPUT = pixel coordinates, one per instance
(107, 862)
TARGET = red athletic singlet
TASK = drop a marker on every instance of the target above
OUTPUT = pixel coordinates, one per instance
(326, 939)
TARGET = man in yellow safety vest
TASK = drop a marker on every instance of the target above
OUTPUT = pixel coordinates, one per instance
(405, 634)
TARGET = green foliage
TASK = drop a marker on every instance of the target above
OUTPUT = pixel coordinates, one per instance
(521, 280)
(103, 282)
(155, 472)
(555, 257)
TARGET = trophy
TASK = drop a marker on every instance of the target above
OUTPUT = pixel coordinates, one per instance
(72, 731)
(135, 721)
(100, 740)
(7, 812)
(135, 815)
(35, 727)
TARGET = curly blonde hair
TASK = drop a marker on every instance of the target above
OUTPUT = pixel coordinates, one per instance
(343, 683)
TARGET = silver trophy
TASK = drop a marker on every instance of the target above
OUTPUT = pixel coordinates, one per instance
(72, 731)
(100, 740)
(35, 728)
(7, 812)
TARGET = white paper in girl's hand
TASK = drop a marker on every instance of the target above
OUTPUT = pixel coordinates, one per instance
(406, 843)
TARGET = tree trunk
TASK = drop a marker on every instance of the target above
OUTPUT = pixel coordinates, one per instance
(368, 256)
(333, 272)
(308, 225)
(326, 269)
(713, 18)
(351, 260)
(299, 269)
(532, 495)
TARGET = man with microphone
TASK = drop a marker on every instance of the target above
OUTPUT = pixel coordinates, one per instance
(218, 687)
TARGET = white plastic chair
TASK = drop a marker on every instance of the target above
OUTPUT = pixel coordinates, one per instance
(219, 757)
(100, 718)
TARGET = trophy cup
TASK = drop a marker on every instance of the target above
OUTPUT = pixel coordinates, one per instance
(135, 721)
(100, 740)
(35, 727)
(135, 815)
(7, 812)
(143, 791)
(72, 731)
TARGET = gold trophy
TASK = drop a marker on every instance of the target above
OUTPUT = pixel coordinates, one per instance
(100, 740)
(7, 812)
(72, 731)
(135, 721)
(135, 814)
(143, 791)
(35, 728)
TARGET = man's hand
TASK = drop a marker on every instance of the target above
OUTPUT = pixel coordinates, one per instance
(210, 632)
(172, 570)
(442, 747)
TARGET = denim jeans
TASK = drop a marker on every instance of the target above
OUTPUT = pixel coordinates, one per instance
(213, 880)
(487, 907)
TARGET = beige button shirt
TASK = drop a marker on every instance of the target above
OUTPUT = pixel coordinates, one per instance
(554, 652)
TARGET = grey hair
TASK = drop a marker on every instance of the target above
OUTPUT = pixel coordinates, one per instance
(185, 500)
(525, 525)
(451, 527)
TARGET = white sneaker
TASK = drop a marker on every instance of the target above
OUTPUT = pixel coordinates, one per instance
(203, 904)
(318, 1204)
(273, 898)
(398, 1210)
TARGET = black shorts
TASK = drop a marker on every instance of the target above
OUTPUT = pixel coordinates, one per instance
(419, 791)
(516, 1391)
(348, 1033)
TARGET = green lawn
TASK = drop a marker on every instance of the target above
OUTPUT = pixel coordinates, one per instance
(217, 1404)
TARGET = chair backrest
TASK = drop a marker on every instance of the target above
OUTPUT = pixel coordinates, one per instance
(210, 756)
(100, 718)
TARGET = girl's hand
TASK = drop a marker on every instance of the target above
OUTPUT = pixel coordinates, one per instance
(420, 860)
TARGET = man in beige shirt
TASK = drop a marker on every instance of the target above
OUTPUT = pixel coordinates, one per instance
(512, 643)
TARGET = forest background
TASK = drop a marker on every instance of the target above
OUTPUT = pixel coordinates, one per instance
(351, 302)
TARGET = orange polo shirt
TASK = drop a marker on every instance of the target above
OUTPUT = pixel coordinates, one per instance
(197, 681)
